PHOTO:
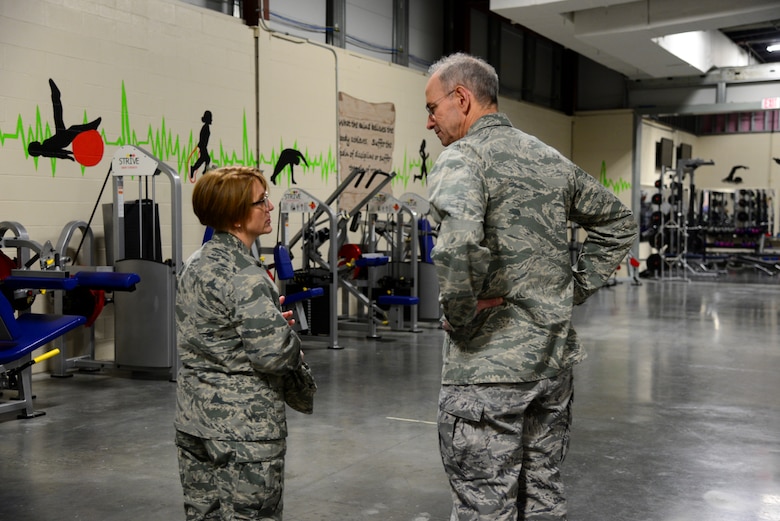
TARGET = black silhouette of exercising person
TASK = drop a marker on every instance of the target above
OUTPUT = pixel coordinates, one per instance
(289, 156)
(55, 145)
(730, 178)
(203, 145)
(423, 167)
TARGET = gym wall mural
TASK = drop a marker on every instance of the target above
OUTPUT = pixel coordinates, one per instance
(289, 157)
(616, 185)
(423, 176)
(84, 139)
(366, 142)
(85, 143)
(204, 158)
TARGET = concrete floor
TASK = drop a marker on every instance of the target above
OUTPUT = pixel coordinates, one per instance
(676, 418)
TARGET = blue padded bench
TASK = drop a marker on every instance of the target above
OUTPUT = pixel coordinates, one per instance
(285, 271)
(425, 239)
(397, 300)
(298, 296)
(107, 280)
(364, 262)
(19, 337)
(31, 281)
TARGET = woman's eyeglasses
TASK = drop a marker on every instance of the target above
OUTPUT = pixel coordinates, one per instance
(265, 202)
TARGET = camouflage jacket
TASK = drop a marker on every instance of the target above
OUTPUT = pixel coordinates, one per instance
(503, 199)
(234, 344)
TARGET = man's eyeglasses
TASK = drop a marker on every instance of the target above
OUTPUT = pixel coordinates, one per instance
(265, 202)
(431, 107)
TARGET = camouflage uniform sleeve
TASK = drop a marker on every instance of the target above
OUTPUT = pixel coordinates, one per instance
(270, 344)
(611, 230)
(457, 192)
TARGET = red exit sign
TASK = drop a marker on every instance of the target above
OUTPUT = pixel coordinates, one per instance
(770, 103)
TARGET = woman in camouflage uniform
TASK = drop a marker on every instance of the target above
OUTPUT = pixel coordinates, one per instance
(236, 348)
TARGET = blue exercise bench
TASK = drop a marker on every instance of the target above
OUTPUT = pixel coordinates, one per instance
(107, 280)
(369, 262)
(426, 240)
(285, 271)
(19, 337)
(397, 300)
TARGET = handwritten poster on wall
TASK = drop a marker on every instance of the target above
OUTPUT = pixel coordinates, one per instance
(366, 141)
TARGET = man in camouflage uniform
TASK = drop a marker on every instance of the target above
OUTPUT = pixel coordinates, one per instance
(503, 199)
(237, 351)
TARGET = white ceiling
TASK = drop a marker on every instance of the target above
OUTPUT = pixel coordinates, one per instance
(642, 39)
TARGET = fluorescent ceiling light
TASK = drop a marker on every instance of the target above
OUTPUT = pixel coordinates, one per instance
(774, 47)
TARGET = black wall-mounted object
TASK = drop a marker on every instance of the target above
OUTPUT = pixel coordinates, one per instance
(664, 153)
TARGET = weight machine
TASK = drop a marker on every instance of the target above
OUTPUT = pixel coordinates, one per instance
(145, 320)
(696, 229)
(426, 282)
(20, 285)
(740, 223)
(75, 290)
(678, 229)
(19, 337)
(397, 290)
(315, 270)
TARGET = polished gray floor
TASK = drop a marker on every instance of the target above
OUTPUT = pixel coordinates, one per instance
(677, 418)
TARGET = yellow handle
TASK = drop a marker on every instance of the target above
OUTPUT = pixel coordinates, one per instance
(46, 356)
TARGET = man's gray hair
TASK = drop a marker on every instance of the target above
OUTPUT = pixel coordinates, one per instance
(472, 72)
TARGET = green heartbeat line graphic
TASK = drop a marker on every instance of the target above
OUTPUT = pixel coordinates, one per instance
(617, 186)
(169, 148)
(164, 146)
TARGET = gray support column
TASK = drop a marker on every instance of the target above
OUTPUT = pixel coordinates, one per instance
(401, 32)
(720, 93)
(336, 17)
(636, 176)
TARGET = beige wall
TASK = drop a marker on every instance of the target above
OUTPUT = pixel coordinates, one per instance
(752, 150)
(170, 60)
(299, 86)
(149, 69)
(604, 140)
(553, 128)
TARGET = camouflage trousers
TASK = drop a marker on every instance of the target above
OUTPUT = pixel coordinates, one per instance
(231, 480)
(502, 444)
